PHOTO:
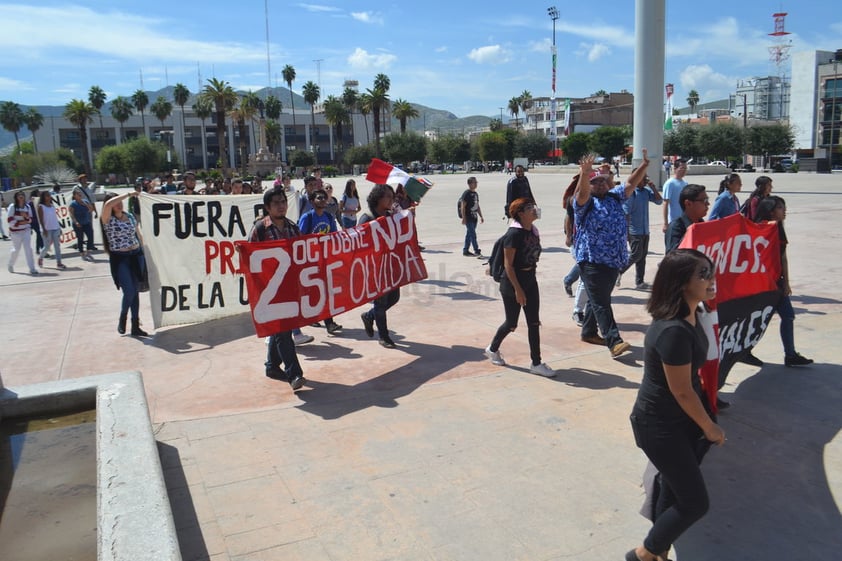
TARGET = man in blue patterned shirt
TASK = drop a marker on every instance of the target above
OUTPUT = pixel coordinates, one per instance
(600, 247)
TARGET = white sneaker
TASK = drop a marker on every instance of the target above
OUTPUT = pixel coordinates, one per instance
(302, 339)
(542, 370)
(496, 358)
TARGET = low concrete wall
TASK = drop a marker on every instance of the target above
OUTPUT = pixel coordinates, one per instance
(134, 519)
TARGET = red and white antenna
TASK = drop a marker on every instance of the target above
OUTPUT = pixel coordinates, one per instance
(779, 52)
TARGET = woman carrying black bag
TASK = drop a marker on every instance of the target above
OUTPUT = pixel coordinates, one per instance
(128, 266)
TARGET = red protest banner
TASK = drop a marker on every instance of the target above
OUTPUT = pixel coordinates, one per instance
(747, 260)
(295, 282)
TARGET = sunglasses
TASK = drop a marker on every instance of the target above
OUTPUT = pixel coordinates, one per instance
(319, 198)
(705, 200)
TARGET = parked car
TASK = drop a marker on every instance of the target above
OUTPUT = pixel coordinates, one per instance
(718, 163)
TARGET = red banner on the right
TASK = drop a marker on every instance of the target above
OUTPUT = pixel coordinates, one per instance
(747, 259)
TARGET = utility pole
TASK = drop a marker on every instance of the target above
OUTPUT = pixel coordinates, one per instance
(318, 62)
(552, 11)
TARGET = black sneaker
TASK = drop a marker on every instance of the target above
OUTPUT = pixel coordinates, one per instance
(297, 382)
(568, 288)
(333, 327)
(579, 318)
(750, 359)
(797, 360)
(275, 374)
(387, 342)
(722, 404)
(467, 254)
(368, 324)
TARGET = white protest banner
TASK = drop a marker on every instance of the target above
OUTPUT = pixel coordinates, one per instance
(189, 245)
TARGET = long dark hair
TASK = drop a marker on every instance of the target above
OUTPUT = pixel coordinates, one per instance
(767, 206)
(378, 192)
(674, 273)
(729, 179)
(351, 189)
(760, 187)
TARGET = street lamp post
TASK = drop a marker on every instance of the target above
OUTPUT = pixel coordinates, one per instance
(552, 11)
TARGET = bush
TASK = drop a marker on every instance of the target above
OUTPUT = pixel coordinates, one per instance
(330, 171)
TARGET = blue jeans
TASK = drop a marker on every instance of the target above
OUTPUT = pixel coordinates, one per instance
(348, 222)
(129, 268)
(470, 236)
(52, 237)
(282, 349)
(639, 248)
(599, 283)
(787, 315)
(572, 276)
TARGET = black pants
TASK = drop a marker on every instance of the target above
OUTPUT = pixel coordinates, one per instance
(529, 284)
(599, 283)
(378, 311)
(639, 248)
(677, 451)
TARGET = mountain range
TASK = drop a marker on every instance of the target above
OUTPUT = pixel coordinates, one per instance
(432, 119)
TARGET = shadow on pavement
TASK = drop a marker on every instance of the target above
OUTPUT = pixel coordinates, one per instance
(331, 400)
(203, 336)
(191, 542)
(771, 485)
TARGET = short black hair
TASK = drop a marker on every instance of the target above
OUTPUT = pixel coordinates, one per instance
(689, 193)
(272, 193)
(378, 192)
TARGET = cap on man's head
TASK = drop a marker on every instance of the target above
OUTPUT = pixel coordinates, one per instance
(596, 174)
(81, 177)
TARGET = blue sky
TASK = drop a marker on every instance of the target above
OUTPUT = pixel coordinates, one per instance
(468, 57)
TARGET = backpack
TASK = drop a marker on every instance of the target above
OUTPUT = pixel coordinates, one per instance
(745, 208)
(459, 207)
(496, 262)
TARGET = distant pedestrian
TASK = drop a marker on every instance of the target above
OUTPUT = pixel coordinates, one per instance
(349, 204)
(517, 188)
(81, 212)
(671, 192)
(19, 215)
(762, 189)
(637, 211)
(471, 213)
(50, 229)
(726, 202)
(695, 202)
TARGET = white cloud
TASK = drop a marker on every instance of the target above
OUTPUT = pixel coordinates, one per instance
(609, 34)
(441, 49)
(597, 51)
(12, 84)
(361, 59)
(490, 54)
(710, 84)
(368, 17)
(319, 8)
(543, 46)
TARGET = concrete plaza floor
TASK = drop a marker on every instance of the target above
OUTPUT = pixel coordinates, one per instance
(428, 451)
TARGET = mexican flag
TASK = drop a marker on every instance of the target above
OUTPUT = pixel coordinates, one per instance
(384, 173)
(668, 116)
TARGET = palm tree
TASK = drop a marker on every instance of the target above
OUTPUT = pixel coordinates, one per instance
(203, 109)
(162, 109)
(140, 101)
(311, 94)
(252, 105)
(382, 82)
(350, 100)
(97, 98)
(273, 107)
(81, 113)
(222, 96)
(121, 110)
(514, 108)
(379, 98)
(364, 105)
(33, 120)
(403, 110)
(11, 117)
(525, 103)
(336, 115)
(693, 100)
(273, 134)
(180, 95)
(289, 77)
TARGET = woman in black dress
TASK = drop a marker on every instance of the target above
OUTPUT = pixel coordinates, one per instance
(671, 418)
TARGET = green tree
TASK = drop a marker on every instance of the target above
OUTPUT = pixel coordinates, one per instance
(121, 110)
(514, 108)
(203, 109)
(311, 94)
(721, 141)
(111, 159)
(599, 93)
(511, 136)
(302, 159)
(11, 117)
(336, 115)
(181, 95)
(364, 104)
(449, 148)
(34, 121)
(377, 98)
(383, 84)
(359, 155)
(682, 140)
(607, 141)
(492, 146)
(162, 109)
(525, 99)
(402, 110)
(404, 148)
(273, 107)
(693, 100)
(141, 156)
(289, 77)
(575, 146)
(534, 146)
(222, 96)
(80, 113)
(350, 100)
(97, 97)
(495, 125)
(140, 101)
(273, 134)
(768, 140)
